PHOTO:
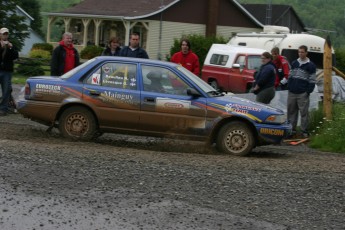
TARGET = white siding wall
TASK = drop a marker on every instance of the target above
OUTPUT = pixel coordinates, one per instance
(32, 39)
(170, 31)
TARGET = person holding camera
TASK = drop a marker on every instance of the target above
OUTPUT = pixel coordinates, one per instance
(8, 53)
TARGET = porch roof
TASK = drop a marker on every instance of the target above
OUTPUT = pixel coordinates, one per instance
(128, 9)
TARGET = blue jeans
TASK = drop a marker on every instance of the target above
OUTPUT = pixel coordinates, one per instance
(6, 87)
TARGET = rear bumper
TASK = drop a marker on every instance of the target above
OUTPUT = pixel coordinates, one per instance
(41, 111)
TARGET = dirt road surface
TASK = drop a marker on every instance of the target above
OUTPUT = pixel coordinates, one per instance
(122, 182)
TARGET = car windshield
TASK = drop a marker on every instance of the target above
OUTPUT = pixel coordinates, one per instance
(199, 82)
(73, 71)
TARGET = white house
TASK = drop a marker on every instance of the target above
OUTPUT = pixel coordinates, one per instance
(33, 36)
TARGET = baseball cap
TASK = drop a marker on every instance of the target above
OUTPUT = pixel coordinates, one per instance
(4, 30)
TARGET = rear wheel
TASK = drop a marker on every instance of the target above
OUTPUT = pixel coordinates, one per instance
(235, 138)
(78, 123)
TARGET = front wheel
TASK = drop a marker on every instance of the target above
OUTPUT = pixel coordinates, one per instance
(235, 138)
(78, 123)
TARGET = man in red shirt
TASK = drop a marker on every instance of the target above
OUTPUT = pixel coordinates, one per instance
(65, 57)
(187, 58)
(282, 69)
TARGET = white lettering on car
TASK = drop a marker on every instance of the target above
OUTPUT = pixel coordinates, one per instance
(236, 107)
(47, 89)
(115, 97)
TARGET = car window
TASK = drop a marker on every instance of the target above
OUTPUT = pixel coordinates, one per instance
(161, 80)
(114, 75)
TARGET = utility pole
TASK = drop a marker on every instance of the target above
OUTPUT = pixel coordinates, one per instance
(327, 81)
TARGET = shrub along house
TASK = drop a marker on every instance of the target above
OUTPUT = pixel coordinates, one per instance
(158, 22)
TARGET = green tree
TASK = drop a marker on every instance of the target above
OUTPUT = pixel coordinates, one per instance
(12, 21)
(33, 8)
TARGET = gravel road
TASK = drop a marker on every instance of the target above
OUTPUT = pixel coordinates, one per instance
(122, 182)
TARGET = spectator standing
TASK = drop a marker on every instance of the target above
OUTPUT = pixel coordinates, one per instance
(282, 69)
(65, 57)
(134, 50)
(264, 80)
(187, 58)
(301, 83)
(113, 48)
(8, 53)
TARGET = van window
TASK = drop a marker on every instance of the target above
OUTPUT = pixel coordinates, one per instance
(241, 60)
(254, 62)
(219, 59)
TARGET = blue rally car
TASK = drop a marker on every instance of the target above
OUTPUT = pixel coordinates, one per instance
(149, 97)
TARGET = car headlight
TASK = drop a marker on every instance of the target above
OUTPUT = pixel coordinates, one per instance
(276, 119)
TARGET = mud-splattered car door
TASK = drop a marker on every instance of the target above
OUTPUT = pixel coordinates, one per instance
(165, 105)
(112, 91)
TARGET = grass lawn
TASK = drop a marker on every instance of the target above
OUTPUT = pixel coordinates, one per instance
(328, 135)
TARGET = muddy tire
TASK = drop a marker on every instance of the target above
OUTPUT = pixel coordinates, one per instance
(235, 138)
(78, 123)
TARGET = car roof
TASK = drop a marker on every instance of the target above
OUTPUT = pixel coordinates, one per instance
(136, 60)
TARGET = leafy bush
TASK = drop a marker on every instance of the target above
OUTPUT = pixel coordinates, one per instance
(43, 46)
(30, 67)
(340, 59)
(199, 45)
(91, 51)
(40, 54)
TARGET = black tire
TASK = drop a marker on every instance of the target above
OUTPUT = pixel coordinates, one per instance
(78, 123)
(235, 138)
(214, 84)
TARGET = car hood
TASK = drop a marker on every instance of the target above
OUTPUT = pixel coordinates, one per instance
(246, 102)
(233, 105)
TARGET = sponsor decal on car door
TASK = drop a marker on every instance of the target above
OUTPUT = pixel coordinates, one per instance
(167, 107)
(112, 90)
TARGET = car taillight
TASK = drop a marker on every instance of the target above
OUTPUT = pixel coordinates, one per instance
(27, 89)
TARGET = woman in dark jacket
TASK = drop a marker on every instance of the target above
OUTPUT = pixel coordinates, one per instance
(264, 80)
(113, 48)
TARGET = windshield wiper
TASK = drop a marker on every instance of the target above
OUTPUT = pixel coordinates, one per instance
(215, 93)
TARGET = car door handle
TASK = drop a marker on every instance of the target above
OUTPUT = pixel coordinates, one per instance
(95, 93)
(149, 99)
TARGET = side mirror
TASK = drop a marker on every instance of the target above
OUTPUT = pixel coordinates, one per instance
(236, 65)
(192, 92)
